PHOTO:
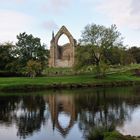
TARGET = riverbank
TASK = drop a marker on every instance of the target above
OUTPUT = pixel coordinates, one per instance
(64, 82)
(106, 135)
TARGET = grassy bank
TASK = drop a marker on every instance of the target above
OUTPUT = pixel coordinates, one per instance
(75, 81)
(107, 135)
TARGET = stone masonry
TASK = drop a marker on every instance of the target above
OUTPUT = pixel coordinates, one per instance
(62, 56)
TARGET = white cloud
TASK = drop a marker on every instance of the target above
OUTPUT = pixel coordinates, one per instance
(50, 25)
(122, 12)
(12, 23)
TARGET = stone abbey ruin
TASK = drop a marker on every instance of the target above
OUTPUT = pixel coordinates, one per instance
(62, 56)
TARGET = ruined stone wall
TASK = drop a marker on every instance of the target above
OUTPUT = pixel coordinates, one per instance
(62, 56)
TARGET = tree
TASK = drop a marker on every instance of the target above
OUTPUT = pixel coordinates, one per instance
(30, 48)
(126, 57)
(113, 55)
(33, 68)
(83, 61)
(6, 56)
(135, 52)
(99, 39)
(119, 56)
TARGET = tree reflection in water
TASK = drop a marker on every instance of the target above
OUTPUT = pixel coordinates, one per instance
(27, 112)
(32, 117)
(101, 111)
(8, 105)
(89, 109)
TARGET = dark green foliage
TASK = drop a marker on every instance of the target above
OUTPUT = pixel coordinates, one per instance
(135, 52)
(84, 56)
(96, 134)
(6, 56)
(30, 48)
(118, 56)
(113, 55)
(103, 134)
(14, 58)
(10, 74)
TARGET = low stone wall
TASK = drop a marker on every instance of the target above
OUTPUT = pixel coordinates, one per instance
(63, 63)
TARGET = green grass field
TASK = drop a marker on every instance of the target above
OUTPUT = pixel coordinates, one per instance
(39, 82)
(116, 76)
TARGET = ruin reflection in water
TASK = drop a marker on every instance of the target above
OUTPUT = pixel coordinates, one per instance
(69, 114)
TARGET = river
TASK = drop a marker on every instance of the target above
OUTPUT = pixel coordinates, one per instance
(69, 114)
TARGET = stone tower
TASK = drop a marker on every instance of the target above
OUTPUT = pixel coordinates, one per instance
(62, 56)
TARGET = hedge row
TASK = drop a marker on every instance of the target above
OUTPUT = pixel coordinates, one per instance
(10, 74)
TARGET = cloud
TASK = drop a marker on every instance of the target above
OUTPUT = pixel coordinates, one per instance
(56, 6)
(122, 12)
(12, 23)
(50, 25)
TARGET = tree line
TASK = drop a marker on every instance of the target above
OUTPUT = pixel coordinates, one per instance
(28, 57)
(102, 47)
(98, 46)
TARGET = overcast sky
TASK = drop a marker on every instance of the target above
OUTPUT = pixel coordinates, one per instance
(40, 17)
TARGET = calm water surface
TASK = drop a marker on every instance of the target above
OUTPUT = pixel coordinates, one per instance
(69, 114)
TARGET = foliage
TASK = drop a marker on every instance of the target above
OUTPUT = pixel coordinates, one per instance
(103, 134)
(83, 57)
(28, 48)
(14, 58)
(6, 57)
(119, 56)
(126, 77)
(96, 134)
(33, 68)
(126, 57)
(104, 68)
(135, 52)
(100, 50)
(100, 39)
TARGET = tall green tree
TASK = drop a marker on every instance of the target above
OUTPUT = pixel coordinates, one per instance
(30, 48)
(99, 39)
(6, 56)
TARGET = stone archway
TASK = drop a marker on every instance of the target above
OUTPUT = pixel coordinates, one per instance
(62, 56)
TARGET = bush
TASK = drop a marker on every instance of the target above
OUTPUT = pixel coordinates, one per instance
(33, 68)
(96, 134)
(103, 134)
